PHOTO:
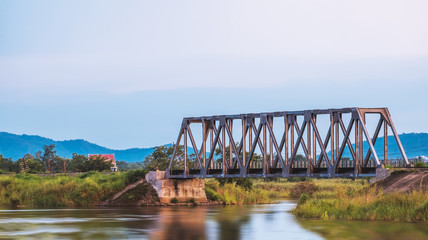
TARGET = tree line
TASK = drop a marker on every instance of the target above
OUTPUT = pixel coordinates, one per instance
(47, 161)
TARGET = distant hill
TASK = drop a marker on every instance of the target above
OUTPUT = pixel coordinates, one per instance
(415, 145)
(16, 146)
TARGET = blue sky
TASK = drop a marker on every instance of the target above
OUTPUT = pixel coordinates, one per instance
(124, 73)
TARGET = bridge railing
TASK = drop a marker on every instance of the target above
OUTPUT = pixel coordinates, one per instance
(345, 163)
(262, 151)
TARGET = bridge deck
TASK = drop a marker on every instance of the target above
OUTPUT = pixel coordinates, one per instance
(258, 173)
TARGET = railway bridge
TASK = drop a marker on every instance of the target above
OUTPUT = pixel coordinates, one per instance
(308, 143)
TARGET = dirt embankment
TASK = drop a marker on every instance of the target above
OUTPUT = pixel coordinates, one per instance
(402, 181)
(139, 193)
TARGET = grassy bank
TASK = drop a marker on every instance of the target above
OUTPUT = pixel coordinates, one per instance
(62, 190)
(261, 190)
(367, 203)
(347, 199)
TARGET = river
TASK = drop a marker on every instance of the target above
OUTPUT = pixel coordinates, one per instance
(268, 222)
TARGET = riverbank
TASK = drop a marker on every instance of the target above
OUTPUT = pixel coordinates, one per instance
(370, 202)
(317, 198)
(30, 190)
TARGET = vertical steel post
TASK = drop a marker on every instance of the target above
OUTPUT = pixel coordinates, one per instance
(270, 122)
(357, 145)
(212, 122)
(360, 142)
(338, 115)
(286, 139)
(186, 170)
(292, 137)
(244, 140)
(385, 142)
(230, 144)
(314, 141)
(264, 147)
(223, 137)
(332, 138)
(250, 140)
(204, 143)
(309, 158)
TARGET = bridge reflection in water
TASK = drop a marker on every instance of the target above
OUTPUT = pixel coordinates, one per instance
(270, 221)
(323, 144)
(187, 223)
(180, 224)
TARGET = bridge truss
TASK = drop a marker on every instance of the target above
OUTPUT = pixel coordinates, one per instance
(300, 133)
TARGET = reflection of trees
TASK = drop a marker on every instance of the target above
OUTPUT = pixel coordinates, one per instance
(230, 219)
(181, 223)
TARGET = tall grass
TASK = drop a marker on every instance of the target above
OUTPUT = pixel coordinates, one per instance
(60, 190)
(233, 194)
(364, 204)
(347, 199)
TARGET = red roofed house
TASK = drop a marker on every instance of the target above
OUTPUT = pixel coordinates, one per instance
(107, 157)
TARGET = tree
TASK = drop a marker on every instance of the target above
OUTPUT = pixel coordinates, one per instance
(59, 164)
(124, 165)
(78, 163)
(7, 165)
(48, 156)
(38, 156)
(28, 164)
(98, 163)
(161, 157)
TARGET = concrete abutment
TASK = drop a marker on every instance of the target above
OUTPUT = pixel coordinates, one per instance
(182, 189)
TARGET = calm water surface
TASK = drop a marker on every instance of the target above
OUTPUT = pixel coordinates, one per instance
(231, 222)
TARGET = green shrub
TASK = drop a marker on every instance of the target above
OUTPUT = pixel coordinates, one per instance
(303, 198)
(193, 202)
(88, 174)
(212, 195)
(271, 179)
(245, 183)
(134, 175)
(298, 179)
(420, 165)
(421, 212)
(174, 200)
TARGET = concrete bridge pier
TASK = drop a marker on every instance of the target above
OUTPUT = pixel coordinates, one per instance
(182, 189)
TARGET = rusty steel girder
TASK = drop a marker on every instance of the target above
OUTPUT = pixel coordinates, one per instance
(278, 158)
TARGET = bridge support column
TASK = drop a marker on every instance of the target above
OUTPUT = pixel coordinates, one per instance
(182, 189)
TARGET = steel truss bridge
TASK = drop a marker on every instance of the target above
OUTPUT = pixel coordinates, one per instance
(278, 158)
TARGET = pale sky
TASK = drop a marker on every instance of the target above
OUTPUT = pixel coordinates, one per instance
(124, 73)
